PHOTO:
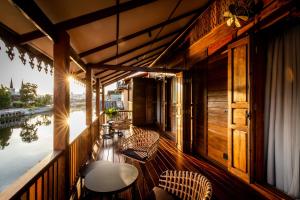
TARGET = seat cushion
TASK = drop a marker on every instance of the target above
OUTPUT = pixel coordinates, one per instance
(132, 153)
(158, 193)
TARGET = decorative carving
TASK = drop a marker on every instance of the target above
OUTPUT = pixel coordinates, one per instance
(39, 64)
(46, 68)
(22, 55)
(31, 56)
(10, 50)
(31, 62)
(209, 19)
(51, 70)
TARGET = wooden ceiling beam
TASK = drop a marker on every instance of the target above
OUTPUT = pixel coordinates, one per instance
(136, 34)
(144, 63)
(146, 58)
(86, 19)
(118, 78)
(99, 64)
(111, 75)
(184, 32)
(139, 47)
(31, 11)
(143, 54)
(101, 72)
(137, 69)
(142, 45)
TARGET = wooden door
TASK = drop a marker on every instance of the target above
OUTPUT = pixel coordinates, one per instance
(179, 110)
(238, 109)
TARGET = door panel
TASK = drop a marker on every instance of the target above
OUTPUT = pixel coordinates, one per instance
(238, 107)
(179, 110)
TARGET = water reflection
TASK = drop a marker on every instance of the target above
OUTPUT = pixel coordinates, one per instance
(26, 141)
(30, 128)
(4, 137)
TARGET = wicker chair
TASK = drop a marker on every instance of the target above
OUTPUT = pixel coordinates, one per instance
(119, 126)
(184, 185)
(141, 146)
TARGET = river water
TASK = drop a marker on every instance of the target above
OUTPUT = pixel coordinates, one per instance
(28, 140)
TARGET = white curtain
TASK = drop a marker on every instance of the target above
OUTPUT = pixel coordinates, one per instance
(282, 112)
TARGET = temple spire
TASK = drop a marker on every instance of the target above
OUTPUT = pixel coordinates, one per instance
(11, 84)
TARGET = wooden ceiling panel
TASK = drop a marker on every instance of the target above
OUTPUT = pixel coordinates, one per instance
(143, 50)
(44, 45)
(93, 34)
(129, 44)
(58, 10)
(96, 57)
(145, 16)
(14, 19)
(145, 57)
(105, 73)
(175, 26)
(189, 5)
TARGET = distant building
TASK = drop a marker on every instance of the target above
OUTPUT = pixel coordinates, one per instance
(113, 95)
(15, 96)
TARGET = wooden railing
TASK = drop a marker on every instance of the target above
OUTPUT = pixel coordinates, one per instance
(123, 115)
(40, 182)
(81, 147)
(47, 180)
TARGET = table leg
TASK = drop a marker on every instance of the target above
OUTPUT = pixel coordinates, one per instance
(133, 192)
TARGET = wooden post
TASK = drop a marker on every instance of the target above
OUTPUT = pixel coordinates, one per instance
(61, 108)
(89, 96)
(97, 97)
(103, 98)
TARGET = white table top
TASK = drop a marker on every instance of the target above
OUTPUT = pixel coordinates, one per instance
(110, 177)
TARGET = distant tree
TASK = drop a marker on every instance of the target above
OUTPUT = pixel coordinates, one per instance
(28, 93)
(43, 100)
(5, 97)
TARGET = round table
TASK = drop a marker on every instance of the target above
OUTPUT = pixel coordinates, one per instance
(108, 177)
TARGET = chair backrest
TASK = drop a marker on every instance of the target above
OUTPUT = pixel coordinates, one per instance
(186, 185)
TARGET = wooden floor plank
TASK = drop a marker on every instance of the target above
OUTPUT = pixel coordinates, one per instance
(169, 157)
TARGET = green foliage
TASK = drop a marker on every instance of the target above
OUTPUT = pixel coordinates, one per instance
(111, 112)
(5, 97)
(28, 93)
(43, 100)
(18, 104)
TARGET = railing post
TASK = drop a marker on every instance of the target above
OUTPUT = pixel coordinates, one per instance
(103, 98)
(61, 109)
(98, 97)
(89, 104)
(97, 106)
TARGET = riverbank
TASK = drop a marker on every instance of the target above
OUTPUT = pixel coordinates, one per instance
(19, 112)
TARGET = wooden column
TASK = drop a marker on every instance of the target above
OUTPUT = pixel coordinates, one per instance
(61, 108)
(89, 97)
(97, 97)
(103, 98)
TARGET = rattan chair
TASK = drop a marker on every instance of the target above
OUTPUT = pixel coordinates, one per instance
(141, 146)
(184, 185)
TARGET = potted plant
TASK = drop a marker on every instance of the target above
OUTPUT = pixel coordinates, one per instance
(111, 112)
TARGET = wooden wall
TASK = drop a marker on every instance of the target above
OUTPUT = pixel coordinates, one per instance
(209, 114)
(199, 100)
(143, 101)
(217, 113)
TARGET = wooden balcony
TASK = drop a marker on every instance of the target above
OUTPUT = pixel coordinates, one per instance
(212, 107)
